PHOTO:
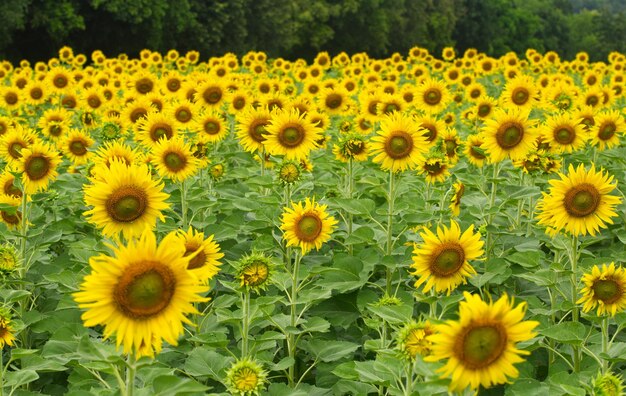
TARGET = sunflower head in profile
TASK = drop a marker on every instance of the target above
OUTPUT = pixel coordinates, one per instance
(291, 134)
(307, 225)
(141, 293)
(605, 288)
(254, 271)
(412, 339)
(125, 199)
(204, 252)
(252, 128)
(435, 168)
(6, 328)
(441, 261)
(580, 202)
(246, 377)
(400, 143)
(509, 134)
(174, 159)
(38, 166)
(455, 201)
(481, 346)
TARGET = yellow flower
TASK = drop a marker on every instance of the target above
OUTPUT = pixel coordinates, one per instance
(75, 146)
(412, 339)
(564, 133)
(307, 225)
(6, 329)
(254, 271)
(608, 126)
(246, 377)
(579, 202)
(442, 260)
(291, 134)
(400, 143)
(141, 294)
(174, 159)
(604, 288)
(520, 92)
(38, 165)
(251, 129)
(432, 95)
(481, 346)
(455, 201)
(508, 134)
(206, 254)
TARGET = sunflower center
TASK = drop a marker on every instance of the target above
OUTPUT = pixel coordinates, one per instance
(606, 131)
(480, 346)
(159, 131)
(390, 108)
(12, 219)
(484, 110)
(520, 96)
(144, 289)
(447, 260)
(144, 85)
(582, 200)
(127, 204)
(173, 85)
(564, 135)
(399, 145)
(212, 95)
(239, 103)
(37, 167)
(15, 148)
(174, 161)
(183, 115)
(371, 108)
(450, 147)
(308, 228)
(432, 96)
(257, 131)
(607, 290)
(509, 135)
(68, 102)
(138, 113)
(60, 81)
(592, 101)
(211, 127)
(199, 259)
(333, 101)
(255, 274)
(10, 189)
(246, 380)
(431, 132)
(77, 147)
(94, 102)
(291, 136)
(36, 93)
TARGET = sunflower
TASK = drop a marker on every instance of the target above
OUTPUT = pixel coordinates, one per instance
(35, 92)
(7, 185)
(413, 339)
(136, 110)
(211, 93)
(481, 346)
(205, 253)
(605, 288)
(6, 329)
(154, 127)
(59, 79)
(433, 126)
(183, 112)
(580, 202)
(174, 159)
(11, 217)
(55, 123)
(210, 127)
(604, 134)
(432, 95)
(435, 168)
(291, 134)
(400, 143)
(508, 134)
(13, 142)
(116, 150)
(335, 100)
(450, 144)
(352, 146)
(307, 225)
(254, 271)
(520, 92)
(251, 129)
(455, 201)
(564, 133)
(484, 107)
(125, 199)
(442, 260)
(142, 293)
(38, 165)
(76, 146)
(246, 377)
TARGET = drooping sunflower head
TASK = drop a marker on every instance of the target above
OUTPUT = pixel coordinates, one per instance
(352, 146)
(11, 216)
(246, 377)
(141, 293)
(435, 168)
(400, 143)
(455, 201)
(580, 202)
(204, 252)
(38, 165)
(8, 186)
(481, 346)
(291, 134)
(509, 134)
(254, 271)
(605, 288)
(125, 200)
(412, 339)
(307, 225)
(9, 259)
(441, 261)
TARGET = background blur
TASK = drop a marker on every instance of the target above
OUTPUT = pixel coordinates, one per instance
(36, 29)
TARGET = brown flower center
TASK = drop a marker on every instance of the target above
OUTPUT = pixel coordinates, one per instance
(138, 113)
(77, 147)
(37, 167)
(520, 96)
(399, 145)
(564, 134)
(127, 204)
(174, 161)
(159, 131)
(199, 259)
(509, 135)
(173, 84)
(582, 200)
(211, 127)
(212, 95)
(607, 290)
(291, 135)
(432, 96)
(480, 346)
(484, 110)
(144, 85)
(36, 93)
(11, 98)
(15, 149)
(144, 289)
(11, 219)
(607, 130)
(60, 81)
(447, 259)
(333, 101)
(309, 227)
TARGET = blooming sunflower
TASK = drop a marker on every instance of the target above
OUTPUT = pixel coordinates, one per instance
(206, 254)
(520, 92)
(174, 159)
(564, 133)
(508, 134)
(481, 346)
(400, 143)
(291, 134)
(442, 260)
(38, 165)
(307, 225)
(154, 127)
(604, 288)
(13, 142)
(580, 202)
(412, 339)
(141, 293)
(125, 199)
(432, 95)
(6, 329)
(210, 127)
(604, 134)
(251, 129)
(75, 146)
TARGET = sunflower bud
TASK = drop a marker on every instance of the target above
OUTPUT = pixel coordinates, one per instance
(246, 377)
(608, 384)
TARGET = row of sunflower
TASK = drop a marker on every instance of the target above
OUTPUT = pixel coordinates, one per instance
(164, 165)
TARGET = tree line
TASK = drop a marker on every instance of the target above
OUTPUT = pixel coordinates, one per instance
(36, 29)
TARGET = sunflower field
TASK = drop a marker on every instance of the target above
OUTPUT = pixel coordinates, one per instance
(424, 224)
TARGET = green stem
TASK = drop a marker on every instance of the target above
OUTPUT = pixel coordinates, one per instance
(433, 305)
(291, 340)
(520, 204)
(409, 379)
(262, 156)
(246, 323)
(492, 202)
(131, 370)
(350, 183)
(1, 373)
(388, 245)
(551, 357)
(605, 343)
(183, 203)
(574, 282)
(24, 335)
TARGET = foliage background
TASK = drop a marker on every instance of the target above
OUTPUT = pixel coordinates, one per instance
(36, 29)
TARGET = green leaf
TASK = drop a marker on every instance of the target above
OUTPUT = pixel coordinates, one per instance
(9, 295)
(202, 362)
(362, 206)
(330, 351)
(526, 259)
(283, 364)
(567, 333)
(167, 385)
(393, 314)
(20, 377)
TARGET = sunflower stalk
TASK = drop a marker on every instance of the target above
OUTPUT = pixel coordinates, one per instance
(574, 281)
(183, 203)
(291, 338)
(245, 303)
(350, 185)
(605, 343)
(492, 202)
(23, 302)
(388, 244)
(131, 371)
